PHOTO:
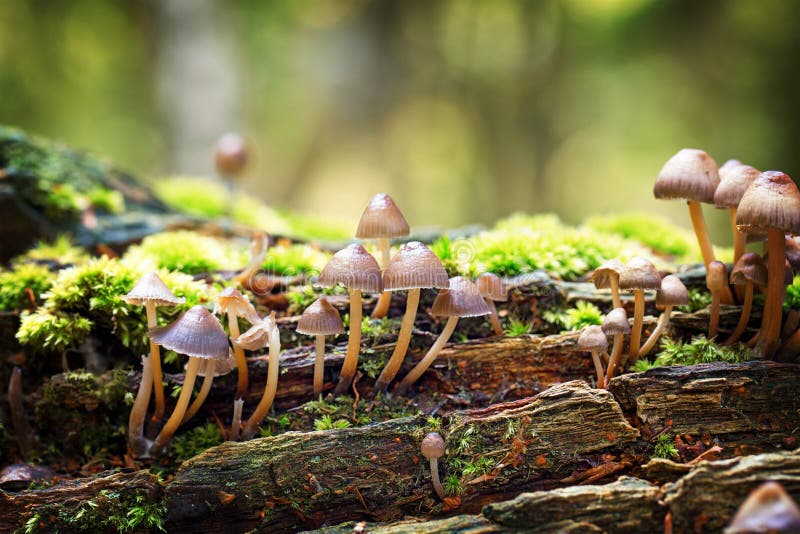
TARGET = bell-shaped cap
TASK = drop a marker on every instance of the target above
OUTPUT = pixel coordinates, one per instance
(414, 266)
(601, 277)
(690, 174)
(196, 333)
(151, 288)
(768, 508)
(432, 446)
(461, 299)
(593, 338)
(382, 218)
(616, 322)
(672, 292)
(639, 273)
(492, 287)
(749, 267)
(320, 319)
(231, 301)
(354, 268)
(230, 154)
(257, 336)
(716, 276)
(734, 179)
(771, 201)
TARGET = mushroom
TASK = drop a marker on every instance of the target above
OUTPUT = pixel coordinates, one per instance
(196, 334)
(716, 280)
(235, 305)
(432, 449)
(594, 340)
(461, 299)
(672, 293)
(150, 291)
(414, 267)
(320, 320)
(771, 204)
(382, 220)
(257, 252)
(230, 155)
(236, 420)
(639, 275)
(263, 332)
(209, 371)
(748, 271)
(493, 290)
(136, 440)
(607, 276)
(615, 324)
(768, 508)
(357, 270)
(735, 177)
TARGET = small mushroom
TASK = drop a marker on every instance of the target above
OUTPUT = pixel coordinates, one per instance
(320, 319)
(716, 281)
(735, 177)
(432, 449)
(607, 277)
(768, 508)
(672, 293)
(136, 440)
(230, 155)
(260, 334)
(209, 371)
(594, 340)
(257, 251)
(235, 305)
(748, 271)
(493, 290)
(615, 324)
(639, 275)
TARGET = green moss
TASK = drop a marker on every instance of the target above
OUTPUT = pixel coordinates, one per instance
(21, 283)
(665, 447)
(517, 327)
(301, 297)
(295, 260)
(655, 232)
(792, 297)
(106, 200)
(188, 252)
(46, 330)
(201, 197)
(195, 441)
(326, 422)
(61, 252)
(582, 315)
(698, 350)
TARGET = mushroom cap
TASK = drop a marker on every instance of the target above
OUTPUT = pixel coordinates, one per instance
(196, 333)
(230, 154)
(690, 174)
(616, 322)
(151, 288)
(771, 201)
(461, 299)
(320, 319)
(432, 446)
(492, 287)
(672, 292)
(716, 276)
(639, 273)
(593, 338)
(354, 268)
(768, 508)
(749, 267)
(233, 302)
(734, 179)
(601, 277)
(414, 266)
(257, 336)
(382, 218)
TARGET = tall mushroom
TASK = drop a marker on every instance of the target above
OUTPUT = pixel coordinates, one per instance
(768, 508)
(615, 324)
(235, 305)
(594, 340)
(196, 334)
(461, 299)
(136, 439)
(150, 291)
(607, 277)
(493, 290)
(735, 177)
(414, 268)
(262, 333)
(320, 319)
(638, 276)
(357, 270)
(716, 280)
(672, 293)
(771, 204)
(382, 220)
(748, 271)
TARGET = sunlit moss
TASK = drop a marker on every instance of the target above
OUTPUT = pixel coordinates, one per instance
(582, 315)
(698, 350)
(294, 259)
(188, 252)
(792, 298)
(23, 285)
(196, 196)
(61, 251)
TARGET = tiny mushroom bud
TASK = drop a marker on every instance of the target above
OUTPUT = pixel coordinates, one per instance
(432, 449)
(320, 319)
(716, 281)
(615, 324)
(230, 155)
(594, 340)
(749, 271)
(735, 177)
(768, 508)
(493, 290)
(672, 293)
(235, 305)
(639, 275)
(607, 277)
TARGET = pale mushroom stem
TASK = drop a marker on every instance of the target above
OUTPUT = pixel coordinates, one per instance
(638, 320)
(175, 419)
(319, 366)
(403, 340)
(706, 248)
(713, 321)
(236, 421)
(613, 361)
(273, 368)
(238, 352)
(615, 290)
(136, 440)
(437, 484)
(771, 324)
(663, 322)
(385, 300)
(744, 318)
(494, 318)
(353, 344)
(155, 362)
(208, 379)
(429, 357)
(598, 367)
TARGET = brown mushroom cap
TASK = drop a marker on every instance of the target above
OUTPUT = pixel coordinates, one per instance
(771, 201)
(768, 508)
(230, 154)
(735, 177)
(196, 333)
(639, 273)
(354, 268)
(672, 292)
(461, 299)
(749, 267)
(593, 338)
(150, 287)
(432, 446)
(601, 277)
(320, 318)
(616, 322)
(414, 266)
(232, 301)
(690, 174)
(382, 218)
(716, 276)
(492, 287)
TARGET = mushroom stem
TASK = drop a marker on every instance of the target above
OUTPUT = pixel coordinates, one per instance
(236, 421)
(136, 441)
(790, 347)
(791, 324)
(598, 367)
(494, 318)
(155, 363)
(638, 320)
(700, 230)
(437, 484)
(319, 366)
(273, 368)
(175, 419)
(22, 430)
(613, 361)
(713, 321)
(663, 322)
(353, 344)
(238, 352)
(744, 318)
(385, 300)
(773, 306)
(429, 357)
(739, 239)
(615, 290)
(403, 340)
(208, 379)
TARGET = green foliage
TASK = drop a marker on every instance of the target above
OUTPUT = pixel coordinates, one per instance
(698, 299)
(792, 298)
(16, 283)
(195, 441)
(301, 297)
(582, 315)
(699, 350)
(517, 327)
(49, 331)
(452, 485)
(107, 200)
(188, 252)
(665, 447)
(295, 260)
(655, 232)
(455, 256)
(201, 197)
(61, 251)
(326, 422)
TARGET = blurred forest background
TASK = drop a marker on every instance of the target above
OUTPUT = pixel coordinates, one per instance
(463, 110)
